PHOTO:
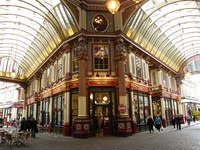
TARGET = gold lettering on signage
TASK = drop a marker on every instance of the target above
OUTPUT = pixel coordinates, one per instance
(103, 82)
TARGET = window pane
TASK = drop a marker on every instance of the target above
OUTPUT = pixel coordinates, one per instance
(101, 56)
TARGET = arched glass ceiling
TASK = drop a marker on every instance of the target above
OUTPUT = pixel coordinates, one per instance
(169, 29)
(29, 31)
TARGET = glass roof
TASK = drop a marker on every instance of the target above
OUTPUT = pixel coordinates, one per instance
(29, 31)
(168, 29)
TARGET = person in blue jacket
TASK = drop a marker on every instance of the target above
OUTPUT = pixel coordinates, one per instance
(158, 123)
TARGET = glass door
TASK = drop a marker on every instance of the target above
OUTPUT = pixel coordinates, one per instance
(101, 113)
(102, 120)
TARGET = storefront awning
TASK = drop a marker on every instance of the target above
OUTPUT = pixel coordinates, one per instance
(190, 101)
(2, 106)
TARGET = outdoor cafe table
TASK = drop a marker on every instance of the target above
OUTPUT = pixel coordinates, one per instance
(18, 138)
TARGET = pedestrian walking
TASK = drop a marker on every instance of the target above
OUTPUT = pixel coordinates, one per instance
(158, 123)
(174, 121)
(34, 128)
(194, 118)
(188, 119)
(178, 122)
(150, 124)
(23, 126)
(29, 124)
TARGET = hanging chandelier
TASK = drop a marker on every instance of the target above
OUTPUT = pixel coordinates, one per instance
(113, 6)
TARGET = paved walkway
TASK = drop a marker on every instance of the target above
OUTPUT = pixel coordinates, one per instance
(171, 128)
(186, 139)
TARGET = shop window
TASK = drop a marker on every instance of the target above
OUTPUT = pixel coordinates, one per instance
(58, 109)
(168, 113)
(101, 56)
(146, 108)
(173, 86)
(156, 105)
(64, 65)
(31, 111)
(59, 69)
(133, 64)
(48, 76)
(142, 108)
(45, 111)
(74, 105)
(165, 80)
(154, 79)
(136, 109)
(138, 67)
(144, 70)
(55, 72)
(74, 59)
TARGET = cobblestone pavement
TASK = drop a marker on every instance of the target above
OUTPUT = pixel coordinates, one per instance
(170, 139)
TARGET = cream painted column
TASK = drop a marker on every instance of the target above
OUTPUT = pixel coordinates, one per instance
(50, 109)
(35, 110)
(67, 107)
(14, 113)
(162, 107)
(150, 103)
(133, 106)
(66, 114)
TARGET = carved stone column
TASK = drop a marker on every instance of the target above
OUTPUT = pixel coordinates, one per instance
(82, 122)
(124, 120)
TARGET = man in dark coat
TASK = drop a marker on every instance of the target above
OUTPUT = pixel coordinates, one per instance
(29, 124)
(150, 124)
(178, 122)
(34, 128)
(23, 126)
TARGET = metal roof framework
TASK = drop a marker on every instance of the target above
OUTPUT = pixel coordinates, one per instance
(29, 32)
(168, 29)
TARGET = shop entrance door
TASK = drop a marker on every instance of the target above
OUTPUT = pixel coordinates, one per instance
(101, 112)
(103, 119)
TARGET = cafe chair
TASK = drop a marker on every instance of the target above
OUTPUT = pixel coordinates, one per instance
(2, 136)
(25, 136)
(9, 139)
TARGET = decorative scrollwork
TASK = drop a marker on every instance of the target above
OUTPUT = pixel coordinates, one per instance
(120, 56)
(120, 50)
(82, 49)
(82, 44)
(82, 55)
(120, 46)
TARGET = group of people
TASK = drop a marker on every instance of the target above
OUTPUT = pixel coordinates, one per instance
(29, 125)
(176, 121)
(157, 123)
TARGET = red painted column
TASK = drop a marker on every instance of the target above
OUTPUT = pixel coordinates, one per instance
(82, 122)
(124, 121)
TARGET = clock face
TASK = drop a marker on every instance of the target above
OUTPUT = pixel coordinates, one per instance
(100, 23)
